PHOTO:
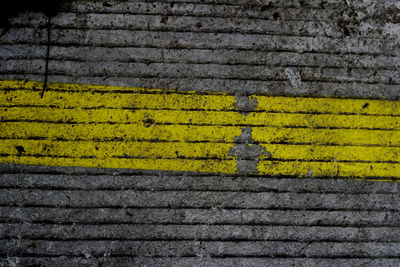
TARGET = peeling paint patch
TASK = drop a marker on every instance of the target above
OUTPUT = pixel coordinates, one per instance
(246, 152)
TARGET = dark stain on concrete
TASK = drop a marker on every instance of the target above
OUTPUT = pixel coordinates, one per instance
(148, 122)
(20, 150)
(13, 8)
(276, 15)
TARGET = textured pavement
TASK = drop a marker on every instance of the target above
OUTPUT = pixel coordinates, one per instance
(102, 217)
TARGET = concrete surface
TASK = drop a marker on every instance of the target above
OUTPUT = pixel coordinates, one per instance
(75, 216)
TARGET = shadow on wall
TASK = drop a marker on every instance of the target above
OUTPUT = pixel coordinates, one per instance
(12, 8)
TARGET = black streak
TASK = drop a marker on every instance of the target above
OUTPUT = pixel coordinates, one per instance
(20, 149)
(13, 8)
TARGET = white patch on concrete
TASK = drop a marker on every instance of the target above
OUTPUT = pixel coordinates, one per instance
(366, 27)
(294, 77)
(393, 30)
(13, 262)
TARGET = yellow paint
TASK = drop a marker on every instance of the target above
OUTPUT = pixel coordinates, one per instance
(315, 169)
(109, 149)
(200, 117)
(187, 165)
(328, 105)
(104, 132)
(131, 99)
(153, 129)
(326, 136)
(331, 153)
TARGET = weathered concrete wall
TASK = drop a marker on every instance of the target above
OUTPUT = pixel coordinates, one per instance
(115, 217)
(345, 48)
(61, 216)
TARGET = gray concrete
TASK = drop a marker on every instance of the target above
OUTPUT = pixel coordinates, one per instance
(116, 217)
(99, 217)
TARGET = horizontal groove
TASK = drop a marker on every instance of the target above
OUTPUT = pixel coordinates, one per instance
(154, 191)
(179, 239)
(329, 161)
(184, 14)
(120, 157)
(200, 239)
(172, 207)
(145, 91)
(177, 189)
(284, 256)
(194, 109)
(194, 255)
(178, 13)
(193, 47)
(195, 258)
(72, 59)
(228, 3)
(249, 224)
(8, 168)
(120, 139)
(130, 172)
(205, 77)
(250, 158)
(231, 50)
(150, 76)
(53, 27)
(231, 31)
(208, 190)
(194, 142)
(209, 124)
(184, 258)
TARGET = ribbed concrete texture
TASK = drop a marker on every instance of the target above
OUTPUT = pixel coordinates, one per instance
(58, 216)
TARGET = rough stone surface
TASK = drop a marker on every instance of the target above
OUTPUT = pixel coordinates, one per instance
(100, 217)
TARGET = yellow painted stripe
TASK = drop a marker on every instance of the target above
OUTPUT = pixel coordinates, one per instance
(328, 105)
(119, 131)
(35, 86)
(116, 149)
(132, 101)
(315, 169)
(187, 165)
(124, 127)
(200, 117)
(326, 136)
(83, 95)
(122, 116)
(331, 153)
(196, 133)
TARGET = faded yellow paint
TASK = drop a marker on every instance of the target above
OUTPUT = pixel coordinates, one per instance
(103, 115)
(169, 150)
(104, 132)
(152, 129)
(331, 153)
(326, 136)
(187, 165)
(328, 105)
(114, 97)
(315, 169)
